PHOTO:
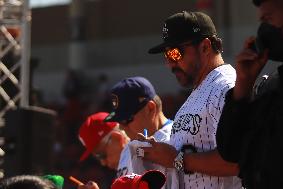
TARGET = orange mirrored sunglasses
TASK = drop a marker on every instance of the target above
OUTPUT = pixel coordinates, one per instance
(175, 54)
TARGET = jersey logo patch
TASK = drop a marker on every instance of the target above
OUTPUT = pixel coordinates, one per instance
(188, 122)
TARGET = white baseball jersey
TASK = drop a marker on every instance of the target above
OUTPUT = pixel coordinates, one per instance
(196, 122)
(129, 162)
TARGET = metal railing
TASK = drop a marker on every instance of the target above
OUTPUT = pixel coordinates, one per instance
(15, 17)
(15, 20)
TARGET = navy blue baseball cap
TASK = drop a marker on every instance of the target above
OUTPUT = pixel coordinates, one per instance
(128, 97)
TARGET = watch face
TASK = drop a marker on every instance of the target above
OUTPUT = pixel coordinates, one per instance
(178, 165)
(178, 162)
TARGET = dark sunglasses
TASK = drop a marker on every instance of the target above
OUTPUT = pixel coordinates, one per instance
(177, 53)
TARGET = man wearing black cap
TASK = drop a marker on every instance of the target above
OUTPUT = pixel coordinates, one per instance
(193, 53)
(250, 130)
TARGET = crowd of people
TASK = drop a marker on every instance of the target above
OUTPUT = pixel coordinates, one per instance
(224, 136)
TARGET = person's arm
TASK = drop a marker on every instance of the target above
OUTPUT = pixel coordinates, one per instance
(248, 66)
(209, 162)
(232, 126)
(235, 120)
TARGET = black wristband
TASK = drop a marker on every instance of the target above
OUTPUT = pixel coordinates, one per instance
(186, 149)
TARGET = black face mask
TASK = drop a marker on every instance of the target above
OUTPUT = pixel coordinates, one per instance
(271, 38)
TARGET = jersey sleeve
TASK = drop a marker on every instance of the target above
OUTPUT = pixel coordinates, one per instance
(216, 103)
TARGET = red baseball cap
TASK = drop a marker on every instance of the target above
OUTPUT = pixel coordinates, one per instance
(152, 179)
(93, 130)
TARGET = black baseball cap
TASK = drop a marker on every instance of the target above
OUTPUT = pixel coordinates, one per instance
(182, 27)
(129, 96)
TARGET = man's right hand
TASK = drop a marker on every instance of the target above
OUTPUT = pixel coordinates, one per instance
(248, 66)
(89, 185)
(159, 152)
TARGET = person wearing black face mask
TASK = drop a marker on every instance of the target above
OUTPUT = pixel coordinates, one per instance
(271, 38)
(250, 128)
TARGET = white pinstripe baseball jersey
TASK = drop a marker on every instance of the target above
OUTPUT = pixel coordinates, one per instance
(196, 122)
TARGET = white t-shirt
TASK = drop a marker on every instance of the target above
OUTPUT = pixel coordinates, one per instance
(129, 162)
(196, 122)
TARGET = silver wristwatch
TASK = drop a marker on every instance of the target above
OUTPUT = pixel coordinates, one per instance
(179, 161)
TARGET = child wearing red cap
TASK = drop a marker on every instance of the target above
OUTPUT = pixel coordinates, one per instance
(151, 179)
(104, 140)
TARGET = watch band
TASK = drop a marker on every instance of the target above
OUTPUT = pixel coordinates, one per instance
(187, 149)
